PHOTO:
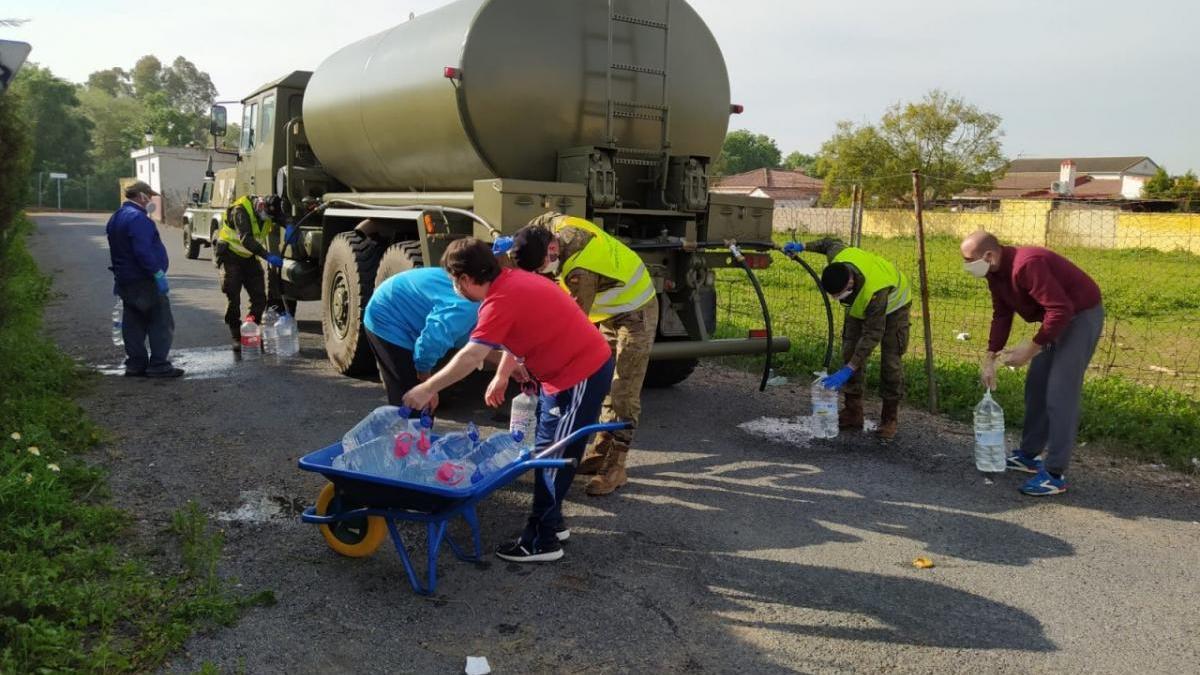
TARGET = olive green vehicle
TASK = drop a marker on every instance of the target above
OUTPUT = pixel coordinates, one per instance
(475, 118)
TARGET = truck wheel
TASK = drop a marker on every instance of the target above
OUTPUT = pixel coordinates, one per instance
(191, 247)
(346, 285)
(399, 258)
(661, 374)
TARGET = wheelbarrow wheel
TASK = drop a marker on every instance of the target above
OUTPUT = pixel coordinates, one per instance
(354, 538)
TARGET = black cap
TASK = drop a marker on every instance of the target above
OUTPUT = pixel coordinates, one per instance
(530, 244)
(835, 277)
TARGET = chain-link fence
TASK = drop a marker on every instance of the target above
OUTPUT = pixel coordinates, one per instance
(75, 193)
(1147, 265)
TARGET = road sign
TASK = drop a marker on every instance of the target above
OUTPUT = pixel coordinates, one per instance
(58, 176)
(12, 55)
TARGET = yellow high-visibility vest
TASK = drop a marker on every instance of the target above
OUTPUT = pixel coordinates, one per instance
(260, 230)
(878, 274)
(608, 256)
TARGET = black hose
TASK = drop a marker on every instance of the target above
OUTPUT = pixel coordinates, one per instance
(736, 252)
(828, 309)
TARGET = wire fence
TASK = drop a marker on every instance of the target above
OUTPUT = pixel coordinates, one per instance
(1146, 264)
(75, 193)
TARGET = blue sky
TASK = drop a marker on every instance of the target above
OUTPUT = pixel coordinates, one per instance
(1068, 78)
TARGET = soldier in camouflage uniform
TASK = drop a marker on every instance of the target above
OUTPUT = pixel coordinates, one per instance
(879, 319)
(612, 286)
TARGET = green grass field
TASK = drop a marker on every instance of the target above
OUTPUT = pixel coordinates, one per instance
(1143, 390)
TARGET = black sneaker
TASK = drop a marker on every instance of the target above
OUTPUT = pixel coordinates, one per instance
(135, 373)
(174, 372)
(521, 552)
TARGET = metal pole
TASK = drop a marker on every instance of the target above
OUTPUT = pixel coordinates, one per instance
(87, 191)
(59, 181)
(39, 189)
(918, 203)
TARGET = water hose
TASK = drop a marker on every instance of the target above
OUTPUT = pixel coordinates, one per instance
(828, 308)
(736, 253)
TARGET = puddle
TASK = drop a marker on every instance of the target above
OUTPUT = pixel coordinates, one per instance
(259, 507)
(201, 363)
(792, 431)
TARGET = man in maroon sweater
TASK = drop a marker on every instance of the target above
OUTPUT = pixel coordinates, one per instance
(1040, 285)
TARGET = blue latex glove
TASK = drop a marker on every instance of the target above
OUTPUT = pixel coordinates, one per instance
(288, 233)
(274, 260)
(793, 248)
(838, 380)
(160, 280)
(502, 245)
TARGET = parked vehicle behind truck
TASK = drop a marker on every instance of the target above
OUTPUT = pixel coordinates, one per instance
(475, 118)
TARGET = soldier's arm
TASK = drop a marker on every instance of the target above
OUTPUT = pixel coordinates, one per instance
(241, 222)
(583, 286)
(874, 322)
(830, 246)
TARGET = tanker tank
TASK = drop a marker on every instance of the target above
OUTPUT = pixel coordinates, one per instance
(382, 115)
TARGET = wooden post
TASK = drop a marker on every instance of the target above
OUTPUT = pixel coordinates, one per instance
(918, 203)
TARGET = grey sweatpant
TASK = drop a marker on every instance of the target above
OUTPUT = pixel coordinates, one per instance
(1054, 387)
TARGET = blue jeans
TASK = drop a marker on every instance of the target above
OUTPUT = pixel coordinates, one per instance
(147, 315)
(558, 416)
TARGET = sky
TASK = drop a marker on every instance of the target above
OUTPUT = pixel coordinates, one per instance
(1068, 78)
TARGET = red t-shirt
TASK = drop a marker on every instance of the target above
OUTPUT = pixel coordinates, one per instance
(531, 317)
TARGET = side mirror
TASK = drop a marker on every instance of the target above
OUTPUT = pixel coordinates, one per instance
(195, 197)
(217, 120)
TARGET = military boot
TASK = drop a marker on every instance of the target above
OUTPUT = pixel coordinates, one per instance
(888, 421)
(593, 457)
(611, 474)
(851, 415)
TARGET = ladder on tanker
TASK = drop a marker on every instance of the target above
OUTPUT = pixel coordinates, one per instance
(639, 110)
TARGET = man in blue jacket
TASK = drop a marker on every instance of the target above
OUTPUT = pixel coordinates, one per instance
(139, 267)
(413, 319)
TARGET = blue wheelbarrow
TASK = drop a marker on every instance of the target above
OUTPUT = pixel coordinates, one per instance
(355, 511)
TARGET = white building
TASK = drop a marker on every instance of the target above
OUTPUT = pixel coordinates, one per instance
(175, 173)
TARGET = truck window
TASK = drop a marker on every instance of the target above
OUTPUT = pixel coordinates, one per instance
(295, 106)
(206, 192)
(268, 120)
(249, 125)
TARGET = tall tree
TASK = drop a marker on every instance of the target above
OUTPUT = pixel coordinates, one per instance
(60, 131)
(188, 89)
(114, 82)
(745, 151)
(147, 76)
(798, 161)
(953, 143)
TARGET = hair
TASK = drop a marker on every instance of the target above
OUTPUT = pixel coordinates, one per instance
(471, 257)
(530, 244)
(835, 277)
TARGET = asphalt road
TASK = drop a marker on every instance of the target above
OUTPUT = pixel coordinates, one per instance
(728, 551)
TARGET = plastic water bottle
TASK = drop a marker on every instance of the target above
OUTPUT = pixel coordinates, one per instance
(288, 335)
(496, 453)
(456, 445)
(824, 408)
(386, 420)
(522, 415)
(251, 339)
(270, 336)
(990, 452)
(118, 324)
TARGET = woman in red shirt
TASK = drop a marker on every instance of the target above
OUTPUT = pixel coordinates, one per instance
(543, 335)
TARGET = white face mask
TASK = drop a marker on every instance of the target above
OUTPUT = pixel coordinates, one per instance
(457, 290)
(550, 268)
(977, 268)
(844, 294)
(151, 207)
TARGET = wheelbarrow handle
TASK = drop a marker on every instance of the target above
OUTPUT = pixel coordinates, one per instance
(579, 433)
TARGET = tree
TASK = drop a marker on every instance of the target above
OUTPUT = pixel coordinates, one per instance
(745, 151)
(953, 143)
(798, 161)
(147, 76)
(187, 88)
(60, 131)
(1183, 189)
(114, 82)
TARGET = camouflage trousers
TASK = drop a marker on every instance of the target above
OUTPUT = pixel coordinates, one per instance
(236, 273)
(891, 348)
(631, 337)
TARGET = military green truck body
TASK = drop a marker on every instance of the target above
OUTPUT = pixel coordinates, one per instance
(475, 118)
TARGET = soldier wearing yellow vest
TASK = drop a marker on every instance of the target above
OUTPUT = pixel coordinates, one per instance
(242, 240)
(611, 285)
(877, 298)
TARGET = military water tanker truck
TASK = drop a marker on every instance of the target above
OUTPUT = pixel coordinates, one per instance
(473, 119)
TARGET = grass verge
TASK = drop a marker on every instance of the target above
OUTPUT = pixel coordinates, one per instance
(73, 597)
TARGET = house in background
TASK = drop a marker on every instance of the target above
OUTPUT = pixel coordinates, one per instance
(793, 189)
(1084, 179)
(175, 173)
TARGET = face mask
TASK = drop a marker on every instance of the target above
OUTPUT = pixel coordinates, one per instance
(977, 268)
(151, 207)
(844, 294)
(457, 290)
(550, 268)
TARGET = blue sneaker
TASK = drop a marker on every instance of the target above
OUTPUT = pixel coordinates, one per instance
(1044, 485)
(1019, 462)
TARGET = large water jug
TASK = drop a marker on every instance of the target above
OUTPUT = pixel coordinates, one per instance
(990, 453)
(522, 415)
(289, 336)
(496, 453)
(251, 339)
(824, 408)
(386, 420)
(376, 457)
(270, 337)
(456, 445)
(118, 324)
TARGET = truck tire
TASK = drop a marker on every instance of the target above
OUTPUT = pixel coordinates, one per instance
(191, 247)
(660, 374)
(346, 285)
(398, 258)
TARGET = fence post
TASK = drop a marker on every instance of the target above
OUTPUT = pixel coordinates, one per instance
(918, 203)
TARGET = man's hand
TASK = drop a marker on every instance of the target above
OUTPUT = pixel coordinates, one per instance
(521, 375)
(1020, 355)
(419, 397)
(793, 248)
(987, 371)
(838, 380)
(160, 280)
(274, 260)
(494, 396)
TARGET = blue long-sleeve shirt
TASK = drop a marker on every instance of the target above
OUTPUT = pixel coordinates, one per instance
(418, 310)
(135, 248)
